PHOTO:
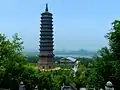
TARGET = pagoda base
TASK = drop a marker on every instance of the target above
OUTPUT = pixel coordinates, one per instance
(45, 65)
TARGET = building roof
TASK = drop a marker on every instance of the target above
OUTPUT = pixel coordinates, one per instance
(71, 59)
(68, 59)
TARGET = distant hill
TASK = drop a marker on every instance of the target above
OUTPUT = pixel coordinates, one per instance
(81, 52)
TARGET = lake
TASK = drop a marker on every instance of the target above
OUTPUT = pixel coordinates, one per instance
(69, 55)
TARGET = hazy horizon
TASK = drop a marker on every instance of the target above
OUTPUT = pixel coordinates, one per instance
(64, 50)
(77, 24)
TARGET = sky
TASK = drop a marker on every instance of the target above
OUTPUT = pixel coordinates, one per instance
(78, 24)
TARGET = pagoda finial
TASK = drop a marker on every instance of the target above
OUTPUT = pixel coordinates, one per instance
(46, 9)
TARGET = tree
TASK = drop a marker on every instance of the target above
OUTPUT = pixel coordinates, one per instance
(107, 62)
(11, 60)
(103, 69)
(114, 43)
(114, 39)
(80, 76)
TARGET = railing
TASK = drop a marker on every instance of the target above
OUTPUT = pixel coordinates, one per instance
(4, 89)
(21, 87)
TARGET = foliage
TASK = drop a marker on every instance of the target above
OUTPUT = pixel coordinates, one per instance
(94, 72)
(106, 67)
(84, 61)
(14, 68)
(114, 39)
(102, 70)
(32, 59)
(80, 77)
(11, 59)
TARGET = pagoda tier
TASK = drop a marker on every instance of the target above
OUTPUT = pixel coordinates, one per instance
(46, 40)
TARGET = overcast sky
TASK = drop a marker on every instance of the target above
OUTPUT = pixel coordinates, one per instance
(78, 24)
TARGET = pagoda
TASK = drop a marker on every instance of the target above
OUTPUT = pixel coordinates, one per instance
(46, 41)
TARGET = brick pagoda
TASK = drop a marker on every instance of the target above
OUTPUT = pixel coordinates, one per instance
(46, 41)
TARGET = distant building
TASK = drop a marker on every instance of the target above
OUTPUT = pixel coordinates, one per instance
(68, 60)
(46, 41)
(71, 59)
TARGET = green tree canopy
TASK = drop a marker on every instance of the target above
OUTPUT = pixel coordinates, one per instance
(11, 59)
(114, 39)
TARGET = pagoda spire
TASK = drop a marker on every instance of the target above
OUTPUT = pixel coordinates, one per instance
(46, 9)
